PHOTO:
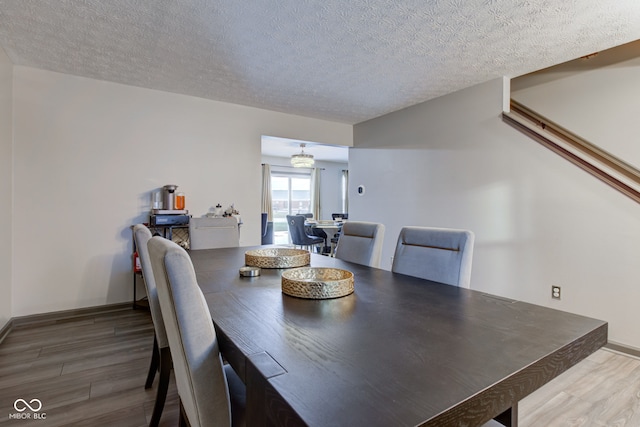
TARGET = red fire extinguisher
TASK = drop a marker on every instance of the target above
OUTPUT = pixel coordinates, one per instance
(137, 268)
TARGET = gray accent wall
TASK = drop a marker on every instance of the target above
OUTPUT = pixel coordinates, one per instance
(539, 221)
(601, 103)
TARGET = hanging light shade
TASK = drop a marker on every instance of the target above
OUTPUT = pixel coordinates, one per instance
(302, 160)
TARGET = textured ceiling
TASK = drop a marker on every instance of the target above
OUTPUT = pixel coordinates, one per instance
(330, 59)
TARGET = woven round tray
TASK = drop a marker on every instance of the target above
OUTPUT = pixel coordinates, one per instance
(277, 258)
(317, 282)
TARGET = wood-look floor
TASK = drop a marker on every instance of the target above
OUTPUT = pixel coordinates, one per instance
(602, 390)
(90, 371)
(86, 371)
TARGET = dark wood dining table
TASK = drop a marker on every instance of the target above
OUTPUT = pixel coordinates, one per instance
(399, 351)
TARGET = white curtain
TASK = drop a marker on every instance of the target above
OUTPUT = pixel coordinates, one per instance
(267, 203)
(315, 192)
(345, 194)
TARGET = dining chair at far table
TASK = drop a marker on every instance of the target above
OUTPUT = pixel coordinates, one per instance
(161, 356)
(336, 235)
(210, 392)
(211, 233)
(310, 230)
(298, 234)
(361, 242)
(440, 254)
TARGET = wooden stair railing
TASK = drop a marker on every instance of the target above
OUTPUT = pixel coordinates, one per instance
(598, 162)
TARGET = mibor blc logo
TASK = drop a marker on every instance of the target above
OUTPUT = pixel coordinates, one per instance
(27, 410)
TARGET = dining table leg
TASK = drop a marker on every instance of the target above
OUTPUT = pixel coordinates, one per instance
(256, 399)
(264, 406)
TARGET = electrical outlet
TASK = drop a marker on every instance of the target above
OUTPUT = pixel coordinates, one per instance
(555, 292)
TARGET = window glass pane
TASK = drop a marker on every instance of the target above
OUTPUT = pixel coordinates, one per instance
(300, 195)
(291, 194)
(280, 193)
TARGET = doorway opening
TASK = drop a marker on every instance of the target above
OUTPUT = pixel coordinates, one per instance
(290, 194)
(293, 189)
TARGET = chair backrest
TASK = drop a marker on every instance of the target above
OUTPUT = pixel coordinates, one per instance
(297, 230)
(141, 235)
(298, 233)
(293, 222)
(267, 230)
(439, 254)
(335, 216)
(264, 222)
(361, 242)
(197, 364)
(210, 233)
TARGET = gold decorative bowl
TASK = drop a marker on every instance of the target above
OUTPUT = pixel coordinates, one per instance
(317, 282)
(277, 258)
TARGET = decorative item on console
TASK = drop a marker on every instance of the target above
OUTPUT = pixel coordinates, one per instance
(217, 212)
(231, 211)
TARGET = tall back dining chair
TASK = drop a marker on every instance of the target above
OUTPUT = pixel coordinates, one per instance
(336, 235)
(361, 242)
(439, 254)
(299, 236)
(310, 230)
(313, 231)
(161, 356)
(210, 392)
(267, 230)
(210, 233)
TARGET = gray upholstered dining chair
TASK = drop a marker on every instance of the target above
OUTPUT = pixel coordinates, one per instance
(314, 231)
(440, 254)
(336, 236)
(211, 394)
(161, 356)
(210, 233)
(266, 230)
(361, 242)
(298, 234)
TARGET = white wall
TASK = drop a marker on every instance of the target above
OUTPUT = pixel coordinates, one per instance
(331, 188)
(601, 105)
(539, 220)
(6, 130)
(87, 155)
(330, 183)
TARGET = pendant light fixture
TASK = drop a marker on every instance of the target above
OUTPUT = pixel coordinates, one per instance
(302, 160)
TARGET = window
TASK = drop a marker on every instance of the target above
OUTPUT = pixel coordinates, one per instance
(290, 194)
(345, 191)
